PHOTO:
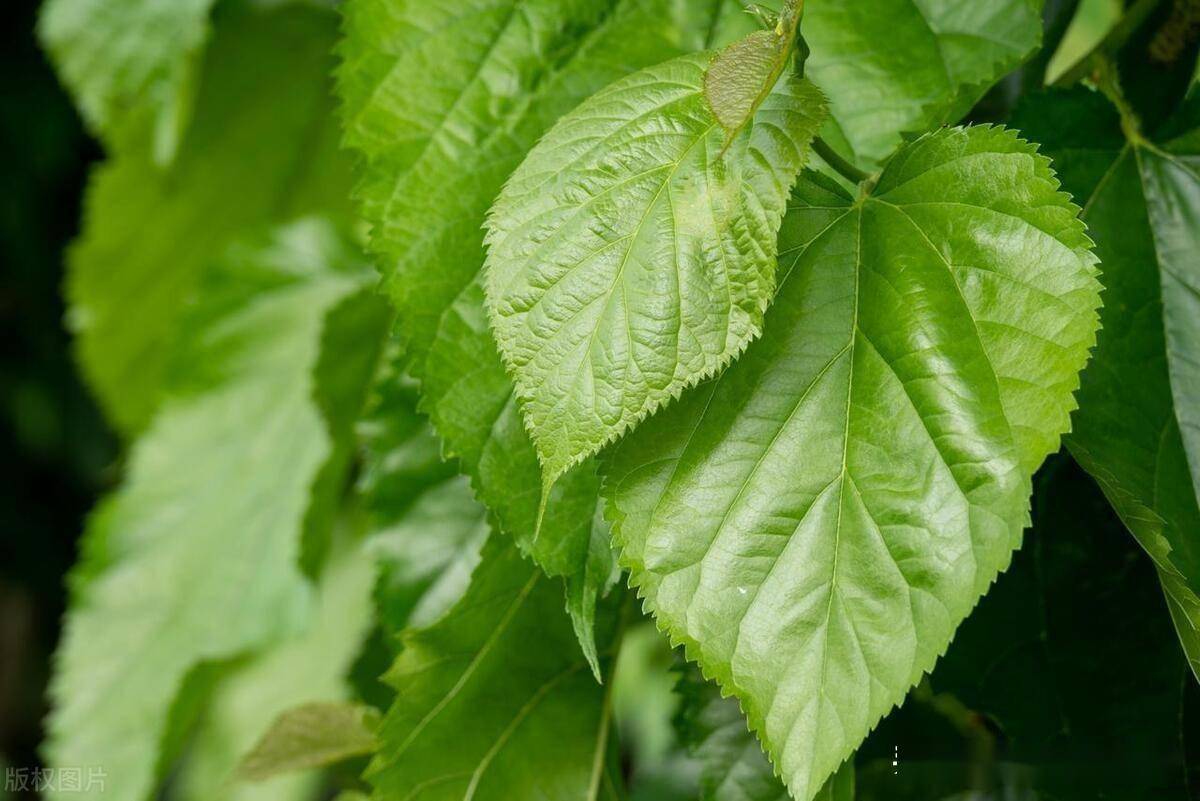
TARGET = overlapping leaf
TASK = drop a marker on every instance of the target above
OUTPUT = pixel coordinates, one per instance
(1138, 438)
(495, 701)
(815, 523)
(633, 252)
(495, 75)
(196, 558)
(129, 63)
(892, 66)
(150, 233)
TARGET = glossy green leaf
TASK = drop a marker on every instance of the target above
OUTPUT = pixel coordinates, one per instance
(1138, 437)
(892, 66)
(309, 736)
(129, 62)
(814, 524)
(633, 252)
(495, 701)
(436, 153)
(150, 233)
(196, 558)
(309, 667)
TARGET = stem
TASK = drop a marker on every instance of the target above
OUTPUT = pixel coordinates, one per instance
(843, 167)
(1112, 42)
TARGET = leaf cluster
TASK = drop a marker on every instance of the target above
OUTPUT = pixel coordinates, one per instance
(454, 342)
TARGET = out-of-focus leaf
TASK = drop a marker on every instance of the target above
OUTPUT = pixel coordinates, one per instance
(426, 528)
(150, 233)
(129, 63)
(196, 558)
(310, 667)
(893, 66)
(310, 736)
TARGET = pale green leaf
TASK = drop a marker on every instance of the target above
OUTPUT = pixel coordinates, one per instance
(436, 153)
(150, 233)
(633, 252)
(814, 524)
(196, 558)
(129, 63)
(310, 667)
(1138, 437)
(310, 736)
(494, 700)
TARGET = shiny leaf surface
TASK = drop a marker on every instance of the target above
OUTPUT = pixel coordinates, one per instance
(814, 524)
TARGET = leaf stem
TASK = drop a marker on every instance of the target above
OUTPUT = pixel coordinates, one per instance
(843, 167)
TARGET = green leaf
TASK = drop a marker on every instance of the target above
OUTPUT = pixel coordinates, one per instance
(814, 524)
(151, 233)
(426, 191)
(469, 397)
(129, 63)
(306, 668)
(426, 527)
(1138, 438)
(312, 736)
(195, 559)
(632, 254)
(892, 66)
(494, 700)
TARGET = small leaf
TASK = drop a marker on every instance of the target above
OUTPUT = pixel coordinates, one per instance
(742, 74)
(312, 736)
(632, 255)
(814, 524)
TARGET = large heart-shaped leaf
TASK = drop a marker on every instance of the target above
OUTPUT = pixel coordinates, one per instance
(814, 524)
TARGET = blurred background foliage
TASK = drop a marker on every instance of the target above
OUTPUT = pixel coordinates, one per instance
(58, 455)
(1066, 682)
